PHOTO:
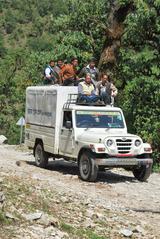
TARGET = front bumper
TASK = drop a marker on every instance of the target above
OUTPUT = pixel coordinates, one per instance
(122, 161)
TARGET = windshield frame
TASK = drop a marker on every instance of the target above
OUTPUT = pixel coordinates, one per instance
(107, 113)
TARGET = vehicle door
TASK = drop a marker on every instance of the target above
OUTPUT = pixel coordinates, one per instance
(66, 134)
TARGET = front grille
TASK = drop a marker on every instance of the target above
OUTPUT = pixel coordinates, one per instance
(123, 146)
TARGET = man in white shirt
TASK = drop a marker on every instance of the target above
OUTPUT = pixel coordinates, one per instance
(50, 77)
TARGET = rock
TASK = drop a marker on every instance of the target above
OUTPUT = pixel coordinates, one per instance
(35, 231)
(89, 213)
(10, 216)
(88, 223)
(2, 197)
(126, 232)
(74, 177)
(54, 222)
(61, 234)
(80, 215)
(20, 163)
(44, 220)
(65, 200)
(87, 202)
(2, 139)
(139, 229)
(100, 216)
(1, 180)
(56, 201)
(55, 233)
(32, 216)
(48, 221)
(50, 231)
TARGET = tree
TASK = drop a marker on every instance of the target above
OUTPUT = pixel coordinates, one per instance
(114, 31)
(138, 67)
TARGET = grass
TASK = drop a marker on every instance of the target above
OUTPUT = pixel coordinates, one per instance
(156, 168)
(67, 228)
(24, 196)
(3, 219)
(80, 232)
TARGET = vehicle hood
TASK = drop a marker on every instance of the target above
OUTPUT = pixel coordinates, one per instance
(98, 137)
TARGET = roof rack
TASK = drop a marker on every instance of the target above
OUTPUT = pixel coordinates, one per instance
(72, 99)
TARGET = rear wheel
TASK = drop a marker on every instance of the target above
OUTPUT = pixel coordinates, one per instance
(142, 173)
(87, 168)
(41, 156)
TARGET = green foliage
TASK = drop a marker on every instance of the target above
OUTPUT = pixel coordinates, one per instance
(83, 27)
(12, 95)
(2, 48)
(138, 67)
(10, 22)
(156, 168)
(40, 44)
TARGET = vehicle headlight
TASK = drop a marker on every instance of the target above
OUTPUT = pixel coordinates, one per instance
(137, 143)
(109, 142)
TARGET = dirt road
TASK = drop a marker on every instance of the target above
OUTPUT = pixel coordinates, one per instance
(116, 206)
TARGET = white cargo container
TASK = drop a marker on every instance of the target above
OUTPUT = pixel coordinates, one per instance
(94, 136)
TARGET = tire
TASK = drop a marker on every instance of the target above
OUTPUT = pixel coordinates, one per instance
(142, 173)
(41, 156)
(88, 170)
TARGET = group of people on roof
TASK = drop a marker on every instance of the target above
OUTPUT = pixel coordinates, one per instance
(92, 86)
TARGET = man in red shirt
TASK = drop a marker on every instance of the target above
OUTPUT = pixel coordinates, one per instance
(69, 73)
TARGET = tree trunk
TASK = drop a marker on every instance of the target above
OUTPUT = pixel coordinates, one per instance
(114, 33)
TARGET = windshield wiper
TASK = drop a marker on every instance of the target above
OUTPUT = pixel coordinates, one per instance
(91, 125)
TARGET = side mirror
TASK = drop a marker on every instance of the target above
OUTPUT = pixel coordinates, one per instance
(68, 124)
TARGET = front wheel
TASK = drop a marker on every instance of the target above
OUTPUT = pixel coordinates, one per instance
(87, 168)
(143, 172)
(41, 156)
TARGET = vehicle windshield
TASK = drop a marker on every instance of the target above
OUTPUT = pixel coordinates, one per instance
(96, 119)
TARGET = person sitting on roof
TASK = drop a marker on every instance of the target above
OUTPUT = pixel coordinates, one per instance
(92, 69)
(50, 76)
(86, 91)
(106, 89)
(58, 67)
(68, 73)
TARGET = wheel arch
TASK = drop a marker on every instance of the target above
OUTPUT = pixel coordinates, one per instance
(82, 150)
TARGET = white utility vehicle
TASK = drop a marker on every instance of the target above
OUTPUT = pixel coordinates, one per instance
(94, 136)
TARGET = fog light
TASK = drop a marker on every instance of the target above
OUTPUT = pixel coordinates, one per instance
(148, 149)
(101, 149)
(109, 142)
(137, 143)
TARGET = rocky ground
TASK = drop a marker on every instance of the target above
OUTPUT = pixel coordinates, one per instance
(50, 203)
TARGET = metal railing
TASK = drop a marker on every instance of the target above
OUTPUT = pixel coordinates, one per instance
(72, 99)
